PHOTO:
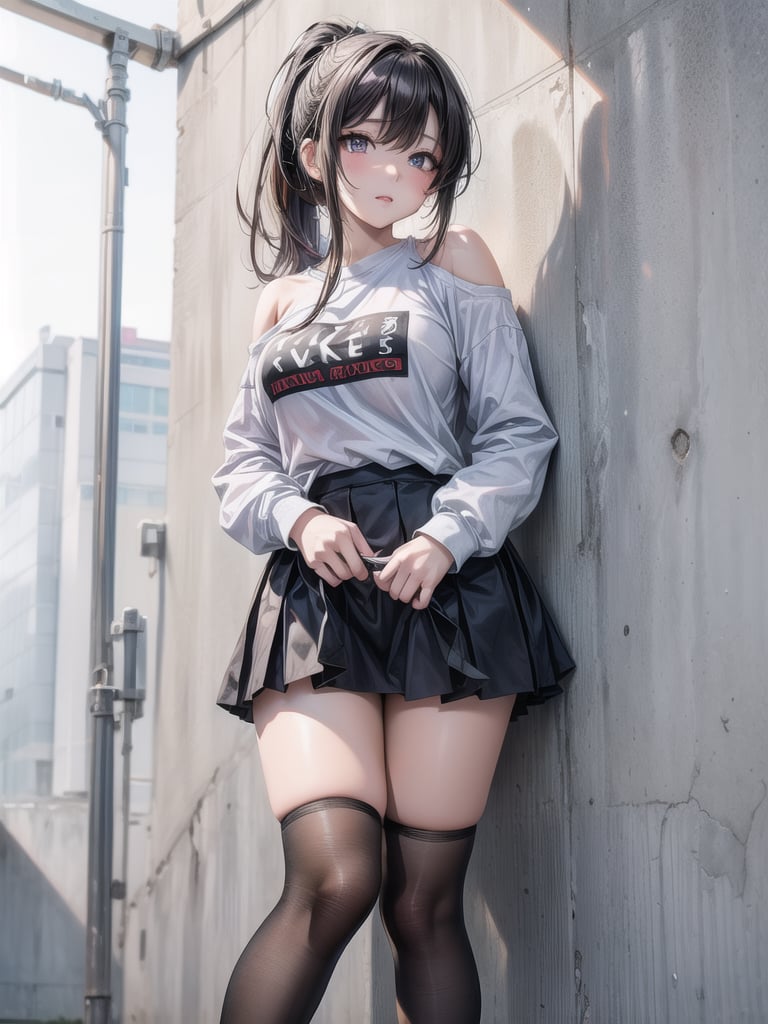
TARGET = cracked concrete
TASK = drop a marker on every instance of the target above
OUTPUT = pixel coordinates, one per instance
(621, 870)
(719, 851)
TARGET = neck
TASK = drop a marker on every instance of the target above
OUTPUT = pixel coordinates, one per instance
(360, 240)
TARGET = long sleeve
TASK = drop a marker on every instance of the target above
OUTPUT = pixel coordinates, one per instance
(508, 435)
(259, 501)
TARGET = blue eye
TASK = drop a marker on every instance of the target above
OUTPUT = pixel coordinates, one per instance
(355, 143)
(423, 161)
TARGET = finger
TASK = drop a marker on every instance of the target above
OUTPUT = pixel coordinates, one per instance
(422, 599)
(327, 559)
(409, 589)
(382, 583)
(349, 551)
(399, 583)
(361, 544)
(326, 575)
(384, 577)
(338, 565)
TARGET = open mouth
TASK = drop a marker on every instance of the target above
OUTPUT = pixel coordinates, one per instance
(385, 199)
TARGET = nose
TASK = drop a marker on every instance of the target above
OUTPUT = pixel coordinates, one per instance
(392, 170)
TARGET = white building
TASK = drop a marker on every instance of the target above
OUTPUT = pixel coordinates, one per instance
(144, 370)
(47, 415)
(47, 420)
(32, 418)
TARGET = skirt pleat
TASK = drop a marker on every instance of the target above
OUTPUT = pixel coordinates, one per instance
(486, 631)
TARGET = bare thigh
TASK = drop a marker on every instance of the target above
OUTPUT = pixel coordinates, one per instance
(319, 743)
(441, 758)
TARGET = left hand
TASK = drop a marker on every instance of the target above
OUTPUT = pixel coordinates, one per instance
(414, 570)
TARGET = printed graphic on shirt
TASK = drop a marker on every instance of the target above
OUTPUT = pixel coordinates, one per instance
(326, 355)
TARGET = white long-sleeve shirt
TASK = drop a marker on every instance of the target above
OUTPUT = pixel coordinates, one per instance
(405, 364)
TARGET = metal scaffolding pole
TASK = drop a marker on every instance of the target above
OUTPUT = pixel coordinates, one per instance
(98, 962)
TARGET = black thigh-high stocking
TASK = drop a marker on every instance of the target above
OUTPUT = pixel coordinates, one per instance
(422, 909)
(332, 878)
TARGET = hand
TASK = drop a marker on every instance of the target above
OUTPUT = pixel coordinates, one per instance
(414, 570)
(330, 546)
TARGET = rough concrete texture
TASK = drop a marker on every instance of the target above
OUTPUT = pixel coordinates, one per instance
(620, 871)
(43, 844)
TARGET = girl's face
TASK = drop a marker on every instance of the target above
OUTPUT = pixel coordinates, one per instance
(381, 184)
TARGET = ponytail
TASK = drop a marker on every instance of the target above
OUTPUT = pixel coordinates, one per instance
(293, 195)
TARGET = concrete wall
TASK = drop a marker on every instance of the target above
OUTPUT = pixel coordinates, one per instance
(43, 846)
(620, 872)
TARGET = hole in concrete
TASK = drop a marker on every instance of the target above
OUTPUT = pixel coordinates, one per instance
(681, 444)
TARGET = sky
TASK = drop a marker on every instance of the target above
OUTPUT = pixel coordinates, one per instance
(50, 187)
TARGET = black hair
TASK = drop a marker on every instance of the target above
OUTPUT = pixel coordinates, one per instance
(333, 79)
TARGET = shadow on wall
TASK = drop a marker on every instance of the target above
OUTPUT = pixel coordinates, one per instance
(518, 896)
(42, 943)
(519, 902)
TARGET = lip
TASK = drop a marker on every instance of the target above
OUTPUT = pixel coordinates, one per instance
(385, 199)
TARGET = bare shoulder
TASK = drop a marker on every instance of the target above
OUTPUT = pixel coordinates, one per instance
(267, 309)
(277, 298)
(464, 254)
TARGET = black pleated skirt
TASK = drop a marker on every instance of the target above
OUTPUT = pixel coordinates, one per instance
(485, 632)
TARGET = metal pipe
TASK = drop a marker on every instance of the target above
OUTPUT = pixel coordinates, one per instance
(133, 694)
(98, 964)
(128, 716)
(151, 46)
(98, 931)
(133, 633)
(55, 90)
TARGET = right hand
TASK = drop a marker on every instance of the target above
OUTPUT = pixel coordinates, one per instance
(330, 546)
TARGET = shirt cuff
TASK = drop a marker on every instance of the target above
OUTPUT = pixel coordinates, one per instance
(287, 511)
(451, 532)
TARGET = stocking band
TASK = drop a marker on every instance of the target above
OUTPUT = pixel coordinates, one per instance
(324, 804)
(428, 835)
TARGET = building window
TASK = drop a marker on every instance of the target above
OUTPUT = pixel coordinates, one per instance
(140, 400)
(160, 401)
(130, 495)
(132, 426)
(43, 777)
(136, 398)
(157, 363)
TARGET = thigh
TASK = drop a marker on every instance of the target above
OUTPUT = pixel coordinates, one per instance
(441, 758)
(318, 743)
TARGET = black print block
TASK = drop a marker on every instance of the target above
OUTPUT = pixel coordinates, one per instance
(326, 355)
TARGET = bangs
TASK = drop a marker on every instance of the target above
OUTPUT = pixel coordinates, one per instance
(401, 82)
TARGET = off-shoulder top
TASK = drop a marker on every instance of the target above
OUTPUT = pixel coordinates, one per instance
(405, 364)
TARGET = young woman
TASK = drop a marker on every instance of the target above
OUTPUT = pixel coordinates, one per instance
(386, 438)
